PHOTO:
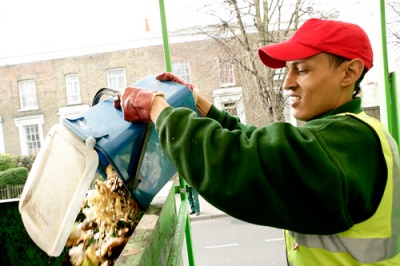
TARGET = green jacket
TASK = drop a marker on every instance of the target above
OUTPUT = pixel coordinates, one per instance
(320, 178)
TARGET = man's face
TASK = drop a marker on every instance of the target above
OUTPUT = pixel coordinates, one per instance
(315, 86)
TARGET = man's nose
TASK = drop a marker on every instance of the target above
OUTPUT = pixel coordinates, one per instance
(289, 82)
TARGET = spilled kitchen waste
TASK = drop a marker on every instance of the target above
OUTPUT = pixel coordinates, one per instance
(107, 219)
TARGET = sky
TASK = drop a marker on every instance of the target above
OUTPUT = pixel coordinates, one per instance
(37, 26)
(42, 25)
(32, 27)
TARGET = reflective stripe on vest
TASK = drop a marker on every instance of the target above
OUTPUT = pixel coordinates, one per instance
(375, 241)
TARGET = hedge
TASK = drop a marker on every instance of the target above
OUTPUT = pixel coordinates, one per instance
(7, 162)
(14, 176)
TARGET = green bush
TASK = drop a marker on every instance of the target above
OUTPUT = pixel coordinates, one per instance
(17, 248)
(7, 162)
(25, 161)
(13, 176)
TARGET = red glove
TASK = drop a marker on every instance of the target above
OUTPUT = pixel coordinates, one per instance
(166, 76)
(172, 77)
(136, 103)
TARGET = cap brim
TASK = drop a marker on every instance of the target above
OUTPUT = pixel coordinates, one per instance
(276, 55)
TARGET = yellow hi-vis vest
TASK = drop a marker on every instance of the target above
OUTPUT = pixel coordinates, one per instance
(373, 242)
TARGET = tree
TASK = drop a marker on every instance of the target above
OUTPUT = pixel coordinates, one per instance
(25, 160)
(393, 25)
(7, 162)
(246, 25)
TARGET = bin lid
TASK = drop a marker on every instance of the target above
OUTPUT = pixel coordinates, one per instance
(56, 188)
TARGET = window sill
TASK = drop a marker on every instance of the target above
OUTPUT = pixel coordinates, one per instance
(71, 104)
(226, 85)
(28, 109)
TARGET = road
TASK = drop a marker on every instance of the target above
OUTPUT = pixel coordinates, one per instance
(228, 241)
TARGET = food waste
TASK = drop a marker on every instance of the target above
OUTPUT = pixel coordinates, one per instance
(107, 219)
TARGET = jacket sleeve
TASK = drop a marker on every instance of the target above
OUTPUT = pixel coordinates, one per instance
(278, 175)
(229, 122)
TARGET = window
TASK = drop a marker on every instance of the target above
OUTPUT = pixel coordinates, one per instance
(231, 100)
(226, 72)
(72, 111)
(279, 74)
(32, 138)
(230, 107)
(30, 133)
(27, 94)
(73, 89)
(116, 78)
(181, 68)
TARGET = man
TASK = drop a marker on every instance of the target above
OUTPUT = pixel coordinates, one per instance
(193, 199)
(332, 184)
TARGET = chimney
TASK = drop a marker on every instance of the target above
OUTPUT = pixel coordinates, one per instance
(147, 26)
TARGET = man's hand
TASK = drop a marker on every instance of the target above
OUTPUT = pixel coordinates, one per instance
(136, 103)
(167, 76)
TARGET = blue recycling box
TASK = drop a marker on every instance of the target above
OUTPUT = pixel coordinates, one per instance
(132, 149)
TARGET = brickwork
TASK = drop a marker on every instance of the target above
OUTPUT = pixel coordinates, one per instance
(49, 77)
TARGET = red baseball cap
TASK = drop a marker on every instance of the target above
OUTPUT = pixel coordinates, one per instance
(315, 36)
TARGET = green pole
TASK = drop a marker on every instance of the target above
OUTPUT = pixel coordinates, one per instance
(390, 82)
(395, 108)
(183, 219)
(167, 55)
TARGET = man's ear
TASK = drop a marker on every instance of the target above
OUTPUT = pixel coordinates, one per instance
(352, 71)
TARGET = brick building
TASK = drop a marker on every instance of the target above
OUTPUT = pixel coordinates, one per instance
(36, 95)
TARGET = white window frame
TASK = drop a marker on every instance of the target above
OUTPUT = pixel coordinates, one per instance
(27, 94)
(226, 72)
(22, 123)
(73, 89)
(229, 96)
(116, 81)
(182, 69)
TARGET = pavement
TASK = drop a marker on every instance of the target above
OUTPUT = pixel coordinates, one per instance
(207, 211)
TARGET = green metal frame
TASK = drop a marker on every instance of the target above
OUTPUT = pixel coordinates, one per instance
(392, 104)
(183, 217)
